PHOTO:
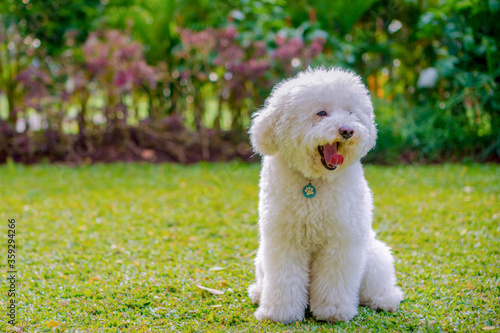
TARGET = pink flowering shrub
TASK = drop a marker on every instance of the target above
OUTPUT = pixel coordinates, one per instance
(293, 54)
(116, 61)
(243, 74)
(116, 64)
(208, 63)
(38, 81)
(240, 71)
(212, 64)
(215, 57)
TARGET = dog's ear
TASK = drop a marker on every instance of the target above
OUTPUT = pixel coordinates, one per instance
(373, 135)
(261, 131)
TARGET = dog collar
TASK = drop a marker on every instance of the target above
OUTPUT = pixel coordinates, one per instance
(309, 191)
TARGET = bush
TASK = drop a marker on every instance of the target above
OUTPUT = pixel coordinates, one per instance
(432, 70)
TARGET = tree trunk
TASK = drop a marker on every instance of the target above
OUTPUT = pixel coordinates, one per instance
(11, 87)
(81, 116)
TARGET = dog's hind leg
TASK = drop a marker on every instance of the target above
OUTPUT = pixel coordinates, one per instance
(378, 288)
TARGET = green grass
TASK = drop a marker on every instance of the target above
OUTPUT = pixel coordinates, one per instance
(121, 247)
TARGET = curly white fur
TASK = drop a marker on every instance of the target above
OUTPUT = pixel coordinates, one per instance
(319, 251)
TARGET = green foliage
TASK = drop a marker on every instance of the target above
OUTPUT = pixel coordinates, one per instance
(50, 21)
(468, 62)
(16, 54)
(338, 15)
(260, 19)
(454, 116)
(217, 82)
(153, 23)
(121, 247)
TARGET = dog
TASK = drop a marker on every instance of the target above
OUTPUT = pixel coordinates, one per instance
(317, 245)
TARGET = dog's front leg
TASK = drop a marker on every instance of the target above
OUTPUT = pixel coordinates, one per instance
(284, 281)
(335, 281)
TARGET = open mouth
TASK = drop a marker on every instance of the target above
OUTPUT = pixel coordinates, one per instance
(329, 155)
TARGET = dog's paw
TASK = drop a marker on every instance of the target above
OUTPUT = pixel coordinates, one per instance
(335, 313)
(389, 301)
(254, 292)
(279, 314)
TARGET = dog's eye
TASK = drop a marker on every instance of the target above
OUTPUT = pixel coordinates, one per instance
(322, 113)
(350, 112)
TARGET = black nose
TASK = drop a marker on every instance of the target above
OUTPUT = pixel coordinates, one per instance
(346, 132)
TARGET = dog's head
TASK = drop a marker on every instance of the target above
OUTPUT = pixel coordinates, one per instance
(319, 121)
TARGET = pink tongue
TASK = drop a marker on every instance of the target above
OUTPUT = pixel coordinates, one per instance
(337, 159)
(331, 156)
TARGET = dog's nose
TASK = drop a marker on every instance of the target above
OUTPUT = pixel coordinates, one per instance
(346, 132)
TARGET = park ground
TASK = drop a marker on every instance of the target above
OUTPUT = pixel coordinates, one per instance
(143, 247)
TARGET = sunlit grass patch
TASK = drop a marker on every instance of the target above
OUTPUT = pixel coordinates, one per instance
(126, 247)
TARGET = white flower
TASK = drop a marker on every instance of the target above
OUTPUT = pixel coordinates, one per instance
(428, 78)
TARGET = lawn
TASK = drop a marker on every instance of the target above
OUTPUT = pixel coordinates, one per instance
(126, 247)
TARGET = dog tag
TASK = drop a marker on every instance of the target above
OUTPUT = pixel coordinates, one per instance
(309, 191)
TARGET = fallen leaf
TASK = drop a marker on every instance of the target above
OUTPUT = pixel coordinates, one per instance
(250, 254)
(148, 154)
(53, 323)
(95, 278)
(217, 268)
(210, 290)
(469, 286)
(468, 189)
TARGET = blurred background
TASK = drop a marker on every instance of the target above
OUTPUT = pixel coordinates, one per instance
(86, 81)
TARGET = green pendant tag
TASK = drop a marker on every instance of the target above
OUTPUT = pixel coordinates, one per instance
(309, 191)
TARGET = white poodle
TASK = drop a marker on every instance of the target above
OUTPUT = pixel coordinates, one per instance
(317, 245)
